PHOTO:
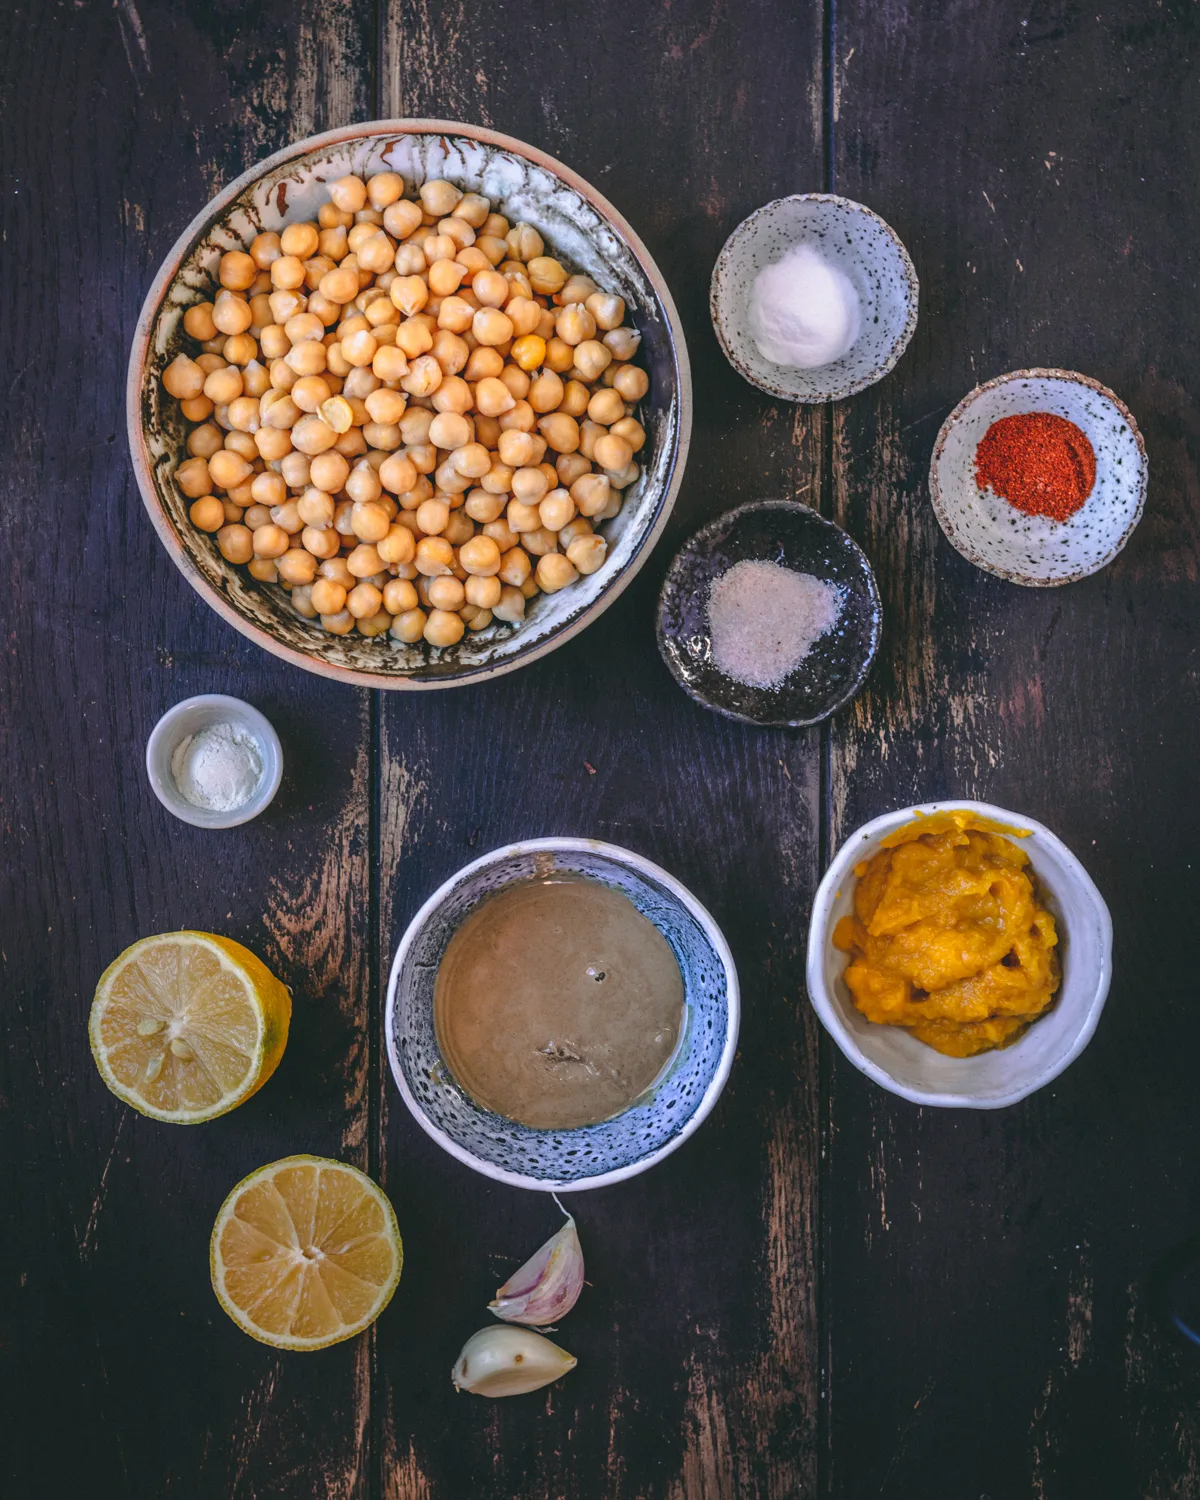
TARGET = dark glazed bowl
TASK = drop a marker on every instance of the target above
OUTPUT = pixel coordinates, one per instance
(576, 222)
(785, 532)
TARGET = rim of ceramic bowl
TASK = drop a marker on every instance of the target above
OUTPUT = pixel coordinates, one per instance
(169, 270)
(851, 388)
(705, 533)
(819, 935)
(644, 867)
(943, 511)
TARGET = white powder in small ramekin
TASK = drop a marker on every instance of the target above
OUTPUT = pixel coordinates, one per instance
(218, 768)
(764, 619)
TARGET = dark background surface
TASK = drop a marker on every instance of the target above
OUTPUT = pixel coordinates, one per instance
(826, 1292)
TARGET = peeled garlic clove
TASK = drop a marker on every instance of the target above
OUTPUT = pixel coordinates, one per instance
(547, 1286)
(508, 1362)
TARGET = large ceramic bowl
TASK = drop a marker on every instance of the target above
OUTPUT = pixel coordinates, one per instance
(593, 1155)
(577, 224)
(990, 1080)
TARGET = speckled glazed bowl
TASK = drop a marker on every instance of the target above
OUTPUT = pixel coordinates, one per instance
(863, 247)
(576, 222)
(795, 535)
(594, 1155)
(1033, 550)
(898, 1061)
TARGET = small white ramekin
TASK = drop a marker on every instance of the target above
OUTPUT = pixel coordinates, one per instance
(991, 1080)
(191, 716)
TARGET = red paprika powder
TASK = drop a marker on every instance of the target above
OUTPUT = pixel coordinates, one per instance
(1040, 463)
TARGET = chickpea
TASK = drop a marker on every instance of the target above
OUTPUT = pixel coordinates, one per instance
(516, 448)
(364, 561)
(482, 507)
(556, 510)
(554, 572)
(439, 198)
(560, 356)
(424, 376)
(494, 248)
(521, 418)
(522, 517)
(491, 327)
(198, 324)
(612, 452)
(302, 601)
(409, 626)
(328, 472)
(592, 358)
(227, 468)
(575, 324)
(270, 541)
(545, 391)
(443, 628)
(560, 431)
(588, 433)
(515, 567)
(529, 485)
(591, 493)
(236, 270)
(336, 569)
(364, 600)
(524, 242)
(575, 398)
(480, 556)
(511, 606)
(298, 240)
(546, 275)
(297, 567)
(243, 414)
(398, 546)
(198, 409)
(309, 393)
(446, 592)
(577, 288)
(607, 309)
(632, 431)
(369, 521)
(491, 288)
(205, 440)
(184, 379)
(311, 435)
(263, 569)
(483, 362)
(322, 541)
(580, 526)
(296, 470)
(236, 543)
(399, 596)
(341, 623)
(231, 313)
(492, 397)
(570, 466)
(516, 381)
(315, 508)
(328, 596)
(606, 407)
(498, 479)
(207, 513)
(623, 342)
(631, 381)
(450, 430)
(401, 218)
(375, 253)
(310, 357)
(434, 556)
(529, 351)
(620, 481)
(349, 194)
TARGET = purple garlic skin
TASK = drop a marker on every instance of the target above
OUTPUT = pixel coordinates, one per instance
(547, 1286)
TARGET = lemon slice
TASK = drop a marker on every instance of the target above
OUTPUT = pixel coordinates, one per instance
(305, 1252)
(186, 1026)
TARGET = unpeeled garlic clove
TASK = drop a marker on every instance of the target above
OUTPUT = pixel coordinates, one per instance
(548, 1285)
(508, 1362)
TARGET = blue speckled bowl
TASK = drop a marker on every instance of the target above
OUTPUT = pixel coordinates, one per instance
(863, 247)
(594, 1155)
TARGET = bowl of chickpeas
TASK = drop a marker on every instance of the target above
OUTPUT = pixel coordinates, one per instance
(409, 404)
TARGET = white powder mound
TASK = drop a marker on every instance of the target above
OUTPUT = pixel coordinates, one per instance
(218, 768)
(764, 619)
(804, 312)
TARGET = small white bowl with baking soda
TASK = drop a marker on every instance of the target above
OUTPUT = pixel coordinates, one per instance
(851, 245)
(891, 1055)
(214, 761)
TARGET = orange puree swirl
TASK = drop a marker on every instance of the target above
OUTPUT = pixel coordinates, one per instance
(948, 936)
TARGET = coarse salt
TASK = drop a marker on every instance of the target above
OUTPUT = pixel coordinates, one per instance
(217, 768)
(764, 619)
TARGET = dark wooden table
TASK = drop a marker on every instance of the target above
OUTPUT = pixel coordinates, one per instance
(827, 1292)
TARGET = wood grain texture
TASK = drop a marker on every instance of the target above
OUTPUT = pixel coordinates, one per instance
(120, 1374)
(990, 1292)
(697, 1336)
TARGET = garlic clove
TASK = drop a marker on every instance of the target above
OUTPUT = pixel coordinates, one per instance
(548, 1285)
(508, 1362)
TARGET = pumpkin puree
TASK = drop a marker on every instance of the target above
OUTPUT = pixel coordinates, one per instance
(948, 936)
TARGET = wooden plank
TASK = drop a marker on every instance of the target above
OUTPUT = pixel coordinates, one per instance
(697, 1337)
(989, 1275)
(121, 1375)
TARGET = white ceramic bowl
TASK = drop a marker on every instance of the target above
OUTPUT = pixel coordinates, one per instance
(863, 247)
(576, 222)
(188, 718)
(991, 1080)
(1034, 550)
(593, 1155)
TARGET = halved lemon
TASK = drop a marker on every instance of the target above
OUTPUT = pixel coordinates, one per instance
(305, 1252)
(186, 1026)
